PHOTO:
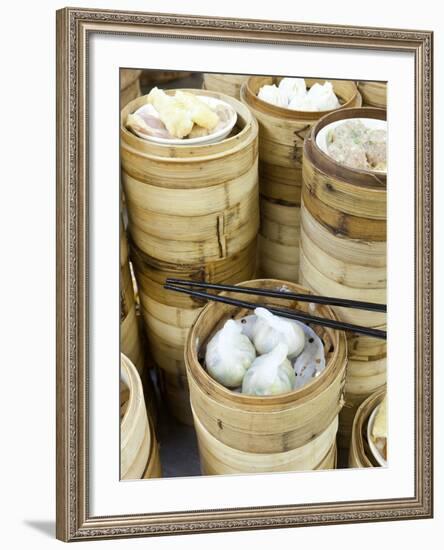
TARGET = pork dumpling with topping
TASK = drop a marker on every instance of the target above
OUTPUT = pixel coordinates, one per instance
(376, 149)
(270, 374)
(350, 154)
(229, 355)
(353, 131)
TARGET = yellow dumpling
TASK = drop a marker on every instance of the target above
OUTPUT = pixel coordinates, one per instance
(172, 113)
(199, 111)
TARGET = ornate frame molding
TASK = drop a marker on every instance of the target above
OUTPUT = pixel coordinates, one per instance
(73, 519)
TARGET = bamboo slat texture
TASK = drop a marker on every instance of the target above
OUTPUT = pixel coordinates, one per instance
(274, 433)
(193, 214)
(374, 94)
(281, 137)
(360, 455)
(229, 84)
(343, 254)
(129, 85)
(139, 454)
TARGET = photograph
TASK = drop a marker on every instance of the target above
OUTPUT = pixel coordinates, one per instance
(244, 262)
(276, 185)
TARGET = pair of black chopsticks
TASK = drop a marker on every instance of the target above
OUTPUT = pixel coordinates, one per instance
(179, 285)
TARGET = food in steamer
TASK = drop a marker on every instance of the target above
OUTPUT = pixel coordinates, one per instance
(263, 354)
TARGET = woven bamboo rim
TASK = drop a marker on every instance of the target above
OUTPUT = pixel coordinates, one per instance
(324, 163)
(360, 455)
(346, 91)
(247, 132)
(206, 390)
(135, 437)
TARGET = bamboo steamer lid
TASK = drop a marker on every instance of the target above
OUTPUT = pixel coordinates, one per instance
(271, 424)
(360, 455)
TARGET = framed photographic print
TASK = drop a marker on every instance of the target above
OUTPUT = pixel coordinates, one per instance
(244, 276)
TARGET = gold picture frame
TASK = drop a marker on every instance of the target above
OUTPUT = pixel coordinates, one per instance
(74, 26)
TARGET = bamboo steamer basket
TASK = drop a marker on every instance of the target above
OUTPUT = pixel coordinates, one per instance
(138, 447)
(218, 458)
(192, 204)
(129, 85)
(374, 94)
(281, 136)
(130, 342)
(229, 84)
(278, 242)
(267, 426)
(151, 77)
(343, 254)
(360, 455)
(168, 316)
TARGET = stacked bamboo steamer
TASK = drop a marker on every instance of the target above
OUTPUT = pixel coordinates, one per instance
(360, 455)
(139, 452)
(374, 94)
(129, 85)
(343, 254)
(193, 214)
(150, 77)
(240, 433)
(281, 136)
(229, 84)
(130, 342)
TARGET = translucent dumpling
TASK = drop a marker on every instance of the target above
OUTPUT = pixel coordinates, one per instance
(292, 87)
(269, 330)
(229, 355)
(247, 324)
(272, 94)
(323, 97)
(270, 374)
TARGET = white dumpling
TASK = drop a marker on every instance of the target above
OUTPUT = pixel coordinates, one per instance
(322, 97)
(292, 87)
(271, 94)
(269, 330)
(302, 103)
(270, 374)
(247, 323)
(229, 355)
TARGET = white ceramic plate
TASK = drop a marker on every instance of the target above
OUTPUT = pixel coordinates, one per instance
(219, 135)
(372, 123)
(379, 458)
